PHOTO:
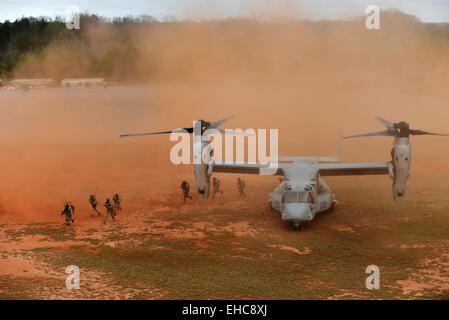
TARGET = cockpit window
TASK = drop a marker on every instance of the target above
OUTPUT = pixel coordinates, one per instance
(297, 196)
(290, 196)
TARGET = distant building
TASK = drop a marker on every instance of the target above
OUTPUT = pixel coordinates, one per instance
(32, 83)
(84, 83)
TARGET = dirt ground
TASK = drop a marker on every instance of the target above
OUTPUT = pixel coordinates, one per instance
(60, 145)
(228, 247)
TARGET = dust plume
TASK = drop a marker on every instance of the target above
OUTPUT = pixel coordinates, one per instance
(308, 79)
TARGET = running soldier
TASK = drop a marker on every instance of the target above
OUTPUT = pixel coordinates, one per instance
(216, 185)
(93, 203)
(241, 186)
(109, 210)
(116, 198)
(185, 186)
(69, 211)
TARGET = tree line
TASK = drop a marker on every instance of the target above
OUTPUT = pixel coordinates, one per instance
(30, 36)
(142, 48)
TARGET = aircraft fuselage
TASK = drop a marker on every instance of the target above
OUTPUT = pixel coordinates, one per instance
(301, 202)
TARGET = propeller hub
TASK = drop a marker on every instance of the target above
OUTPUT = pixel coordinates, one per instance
(402, 129)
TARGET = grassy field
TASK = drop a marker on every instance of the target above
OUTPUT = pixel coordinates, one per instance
(238, 249)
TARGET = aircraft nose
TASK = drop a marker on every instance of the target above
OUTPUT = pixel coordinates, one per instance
(297, 212)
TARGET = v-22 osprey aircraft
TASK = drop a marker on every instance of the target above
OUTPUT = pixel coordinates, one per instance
(302, 194)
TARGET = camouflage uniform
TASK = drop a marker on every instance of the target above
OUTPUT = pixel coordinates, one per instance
(116, 198)
(241, 186)
(109, 210)
(216, 186)
(93, 203)
(186, 190)
(69, 210)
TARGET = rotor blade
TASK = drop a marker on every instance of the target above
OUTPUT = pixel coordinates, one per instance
(189, 130)
(142, 134)
(236, 133)
(420, 132)
(217, 123)
(379, 133)
(386, 123)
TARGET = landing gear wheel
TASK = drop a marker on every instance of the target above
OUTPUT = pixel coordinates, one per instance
(271, 207)
(297, 226)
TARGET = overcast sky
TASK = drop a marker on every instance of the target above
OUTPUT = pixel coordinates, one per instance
(426, 10)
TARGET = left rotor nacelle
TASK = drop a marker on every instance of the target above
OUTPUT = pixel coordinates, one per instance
(401, 157)
(202, 159)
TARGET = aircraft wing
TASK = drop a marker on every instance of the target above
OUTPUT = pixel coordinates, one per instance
(334, 169)
(352, 169)
(246, 168)
(308, 159)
